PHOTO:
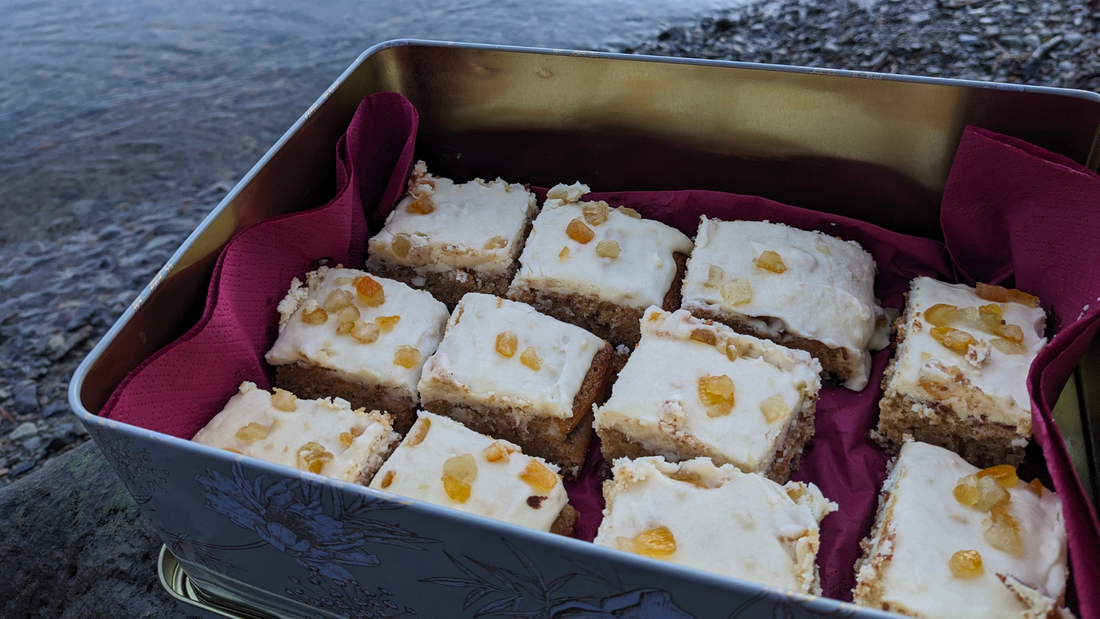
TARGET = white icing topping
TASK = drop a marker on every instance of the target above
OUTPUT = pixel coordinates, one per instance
(478, 225)
(468, 368)
(322, 421)
(421, 324)
(638, 277)
(740, 525)
(497, 491)
(826, 293)
(997, 388)
(655, 401)
(924, 525)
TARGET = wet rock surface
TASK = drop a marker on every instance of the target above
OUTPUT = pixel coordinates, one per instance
(74, 544)
(1021, 42)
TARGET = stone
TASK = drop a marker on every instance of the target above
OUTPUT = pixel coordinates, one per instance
(1072, 38)
(32, 444)
(969, 39)
(81, 208)
(22, 431)
(1032, 40)
(74, 544)
(26, 400)
(55, 408)
(920, 19)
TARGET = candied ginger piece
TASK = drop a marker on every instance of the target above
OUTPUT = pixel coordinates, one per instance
(284, 400)
(774, 407)
(313, 314)
(1010, 332)
(717, 394)
(714, 276)
(579, 232)
(364, 333)
(770, 261)
(312, 457)
(507, 343)
(966, 564)
(1007, 347)
(999, 294)
(418, 432)
(657, 543)
(421, 206)
(540, 478)
(348, 314)
(955, 339)
(370, 292)
(1036, 487)
(406, 356)
(497, 242)
(338, 299)
(563, 255)
(401, 246)
(737, 291)
(705, 336)
(983, 494)
(607, 249)
(531, 359)
(253, 432)
(458, 473)
(387, 323)
(387, 479)
(629, 212)
(1004, 532)
(496, 452)
(595, 213)
(1004, 474)
(940, 314)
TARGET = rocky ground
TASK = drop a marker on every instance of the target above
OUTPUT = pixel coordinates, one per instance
(59, 294)
(1024, 42)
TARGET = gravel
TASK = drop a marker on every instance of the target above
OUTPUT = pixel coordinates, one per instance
(59, 293)
(1041, 43)
(61, 290)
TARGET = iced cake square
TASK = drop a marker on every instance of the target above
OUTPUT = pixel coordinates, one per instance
(599, 267)
(510, 372)
(324, 436)
(452, 238)
(694, 387)
(359, 337)
(800, 288)
(446, 463)
(716, 519)
(958, 378)
(951, 540)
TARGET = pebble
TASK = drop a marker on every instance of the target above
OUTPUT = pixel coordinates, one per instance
(24, 430)
(26, 400)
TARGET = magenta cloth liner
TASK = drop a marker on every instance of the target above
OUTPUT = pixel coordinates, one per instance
(1010, 208)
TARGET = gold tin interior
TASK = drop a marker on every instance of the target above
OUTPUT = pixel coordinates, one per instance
(871, 146)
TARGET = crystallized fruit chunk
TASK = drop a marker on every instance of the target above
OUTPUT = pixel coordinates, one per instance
(418, 432)
(313, 314)
(1036, 487)
(364, 333)
(595, 213)
(406, 356)
(981, 493)
(421, 206)
(940, 314)
(312, 457)
(999, 294)
(579, 232)
(253, 432)
(401, 246)
(774, 407)
(966, 564)
(531, 359)
(607, 249)
(458, 473)
(348, 314)
(1004, 474)
(387, 479)
(387, 323)
(370, 292)
(717, 394)
(1004, 532)
(629, 212)
(770, 261)
(737, 291)
(656, 543)
(714, 276)
(705, 336)
(496, 452)
(497, 242)
(1007, 347)
(338, 299)
(348, 437)
(956, 340)
(284, 400)
(563, 255)
(507, 343)
(541, 479)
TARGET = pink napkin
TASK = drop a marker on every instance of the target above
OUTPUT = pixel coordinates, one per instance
(181, 387)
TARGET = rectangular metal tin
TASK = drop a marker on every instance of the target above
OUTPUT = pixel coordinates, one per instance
(618, 122)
